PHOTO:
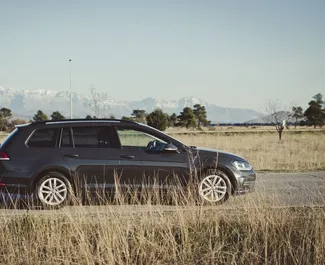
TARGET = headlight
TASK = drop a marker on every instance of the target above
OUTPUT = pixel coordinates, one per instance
(242, 166)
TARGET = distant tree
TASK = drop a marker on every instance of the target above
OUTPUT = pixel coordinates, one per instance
(5, 115)
(314, 114)
(40, 116)
(57, 116)
(319, 99)
(125, 118)
(139, 115)
(201, 115)
(297, 114)
(88, 117)
(97, 102)
(172, 119)
(187, 118)
(158, 119)
(13, 123)
(112, 117)
(274, 108)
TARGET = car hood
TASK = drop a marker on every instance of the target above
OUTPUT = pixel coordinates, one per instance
(215, 151)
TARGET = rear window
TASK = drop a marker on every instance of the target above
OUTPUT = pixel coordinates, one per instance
(44, 138)
(9, 139)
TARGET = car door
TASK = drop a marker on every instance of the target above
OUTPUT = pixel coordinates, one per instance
(90, 154)
(139, 166)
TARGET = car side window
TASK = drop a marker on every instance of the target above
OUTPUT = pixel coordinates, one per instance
(134, 139)
(94, 137)
(44, 138)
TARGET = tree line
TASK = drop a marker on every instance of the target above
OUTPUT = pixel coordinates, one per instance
(314, 115)
(195, 117)
(188, 118)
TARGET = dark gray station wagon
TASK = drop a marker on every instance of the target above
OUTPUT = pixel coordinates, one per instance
(50, 160)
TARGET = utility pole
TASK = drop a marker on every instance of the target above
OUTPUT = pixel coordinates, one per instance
(70, 91)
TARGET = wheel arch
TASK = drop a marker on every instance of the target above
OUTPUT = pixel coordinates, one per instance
(65, 172)
(228, 173)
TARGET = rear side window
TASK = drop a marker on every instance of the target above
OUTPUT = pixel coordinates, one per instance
(44, 138)
(94, 137)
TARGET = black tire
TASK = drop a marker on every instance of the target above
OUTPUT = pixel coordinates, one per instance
(214, 196)
(55, 197)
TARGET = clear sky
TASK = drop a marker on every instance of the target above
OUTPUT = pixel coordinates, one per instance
(231, 53)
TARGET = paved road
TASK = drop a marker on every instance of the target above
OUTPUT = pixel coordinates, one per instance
(273, 190)
(287, 189)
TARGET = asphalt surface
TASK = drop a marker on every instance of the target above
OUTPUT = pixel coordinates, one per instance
(273, 190)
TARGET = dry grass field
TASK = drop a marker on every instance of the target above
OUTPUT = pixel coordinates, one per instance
(301, 151)
(248, 235)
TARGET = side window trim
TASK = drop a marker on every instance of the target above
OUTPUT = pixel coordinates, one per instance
(117, 137)
(71, 137)
(60, 137)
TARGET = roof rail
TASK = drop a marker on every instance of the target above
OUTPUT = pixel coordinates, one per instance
(81, 120)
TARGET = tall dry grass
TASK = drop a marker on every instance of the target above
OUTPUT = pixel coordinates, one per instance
(148, 227)
(195, 236)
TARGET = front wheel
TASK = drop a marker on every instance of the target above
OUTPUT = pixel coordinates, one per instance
(215, 187)
(53, 190)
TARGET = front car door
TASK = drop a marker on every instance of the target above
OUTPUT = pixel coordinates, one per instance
(155, 167)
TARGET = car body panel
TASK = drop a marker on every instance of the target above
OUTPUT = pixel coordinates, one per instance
(102, 167)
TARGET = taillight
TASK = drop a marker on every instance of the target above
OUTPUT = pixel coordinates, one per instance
(4, 156)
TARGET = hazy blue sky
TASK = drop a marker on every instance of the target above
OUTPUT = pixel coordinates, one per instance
(231, 53)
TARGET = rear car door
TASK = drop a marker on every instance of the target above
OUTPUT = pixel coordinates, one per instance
(90, 152)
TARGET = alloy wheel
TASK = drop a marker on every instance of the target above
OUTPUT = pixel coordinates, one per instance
(213, 188)
(53, 191)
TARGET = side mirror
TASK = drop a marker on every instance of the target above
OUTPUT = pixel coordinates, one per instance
(171, 148)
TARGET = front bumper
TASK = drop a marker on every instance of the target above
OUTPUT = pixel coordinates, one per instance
(245, 182)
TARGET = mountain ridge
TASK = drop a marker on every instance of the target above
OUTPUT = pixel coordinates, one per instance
(25, 103)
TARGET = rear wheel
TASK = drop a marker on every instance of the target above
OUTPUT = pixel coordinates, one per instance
(53, 190)
(215, 187)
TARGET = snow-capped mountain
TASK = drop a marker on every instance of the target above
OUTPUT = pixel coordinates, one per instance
(25, 103)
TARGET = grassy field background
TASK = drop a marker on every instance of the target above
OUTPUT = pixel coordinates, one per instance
(297, 151)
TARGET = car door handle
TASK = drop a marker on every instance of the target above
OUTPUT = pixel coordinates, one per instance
(127, 156)
(72, 155)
